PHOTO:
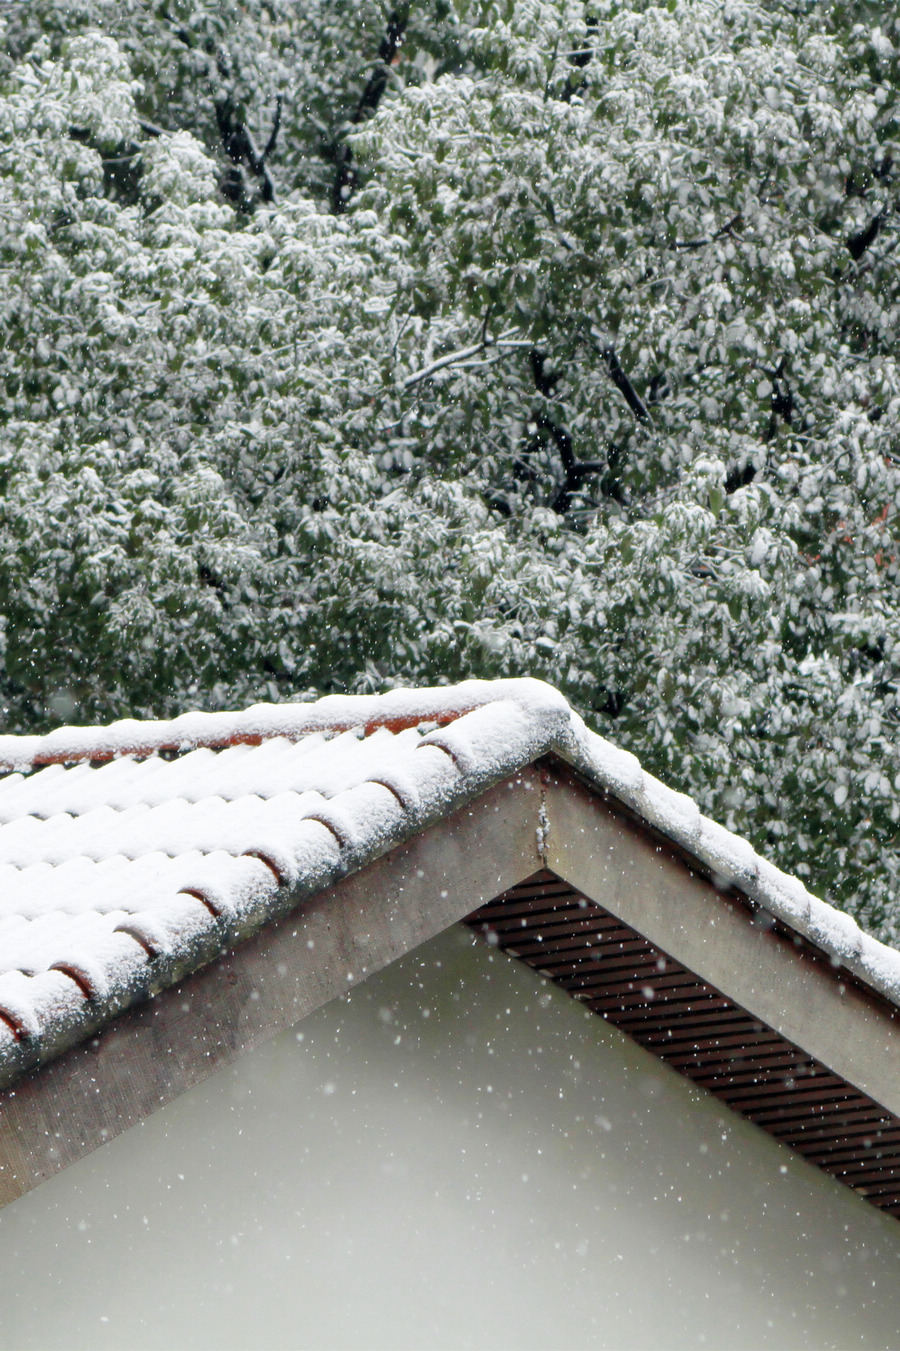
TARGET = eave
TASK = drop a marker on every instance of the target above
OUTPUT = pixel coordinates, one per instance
(701, 974)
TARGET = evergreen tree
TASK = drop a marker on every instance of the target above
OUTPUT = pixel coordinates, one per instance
(348, 347)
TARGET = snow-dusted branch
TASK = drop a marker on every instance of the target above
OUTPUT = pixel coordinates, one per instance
(505, 343)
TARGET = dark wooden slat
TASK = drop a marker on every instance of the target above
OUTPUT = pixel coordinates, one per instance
(772, 1078)
(534, 905)
(603, 970)
(886, 1146)
(583, 938)
(861, 1167)
(790, 1114)
(878, 1194)
(745, 1034)
(629, 1012)
(606, 984)
(534, 915)
(809, 1132)
(563, 924)
(739, 1056)
(862, 1173)
(605, 961)
(760, 1096)
(606, 957)
(654, 988)
(625, 979)
(777, 1065)
(855, 1111)
(686, 1030)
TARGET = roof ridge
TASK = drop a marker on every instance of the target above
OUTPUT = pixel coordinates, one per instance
(397, 710)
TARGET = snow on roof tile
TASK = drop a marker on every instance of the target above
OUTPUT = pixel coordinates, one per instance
(394, 712)
(122, 869)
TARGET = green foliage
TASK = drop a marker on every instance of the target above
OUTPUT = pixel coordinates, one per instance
(253, 449)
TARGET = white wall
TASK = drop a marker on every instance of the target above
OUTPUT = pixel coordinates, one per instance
(455, 1156)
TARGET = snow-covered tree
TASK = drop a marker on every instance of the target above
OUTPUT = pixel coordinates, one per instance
(349, 346)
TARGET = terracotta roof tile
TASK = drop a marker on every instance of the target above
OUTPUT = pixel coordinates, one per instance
(130, 855)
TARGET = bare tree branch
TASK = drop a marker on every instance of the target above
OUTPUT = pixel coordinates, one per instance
(346, 177)
(575, 471)
(858, 243)
(240, 147)
(623, 384)
(237, 139)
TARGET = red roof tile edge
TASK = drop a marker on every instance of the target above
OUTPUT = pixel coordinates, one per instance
(396, 710)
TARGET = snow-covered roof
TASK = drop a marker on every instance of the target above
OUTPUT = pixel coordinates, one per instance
(133, 854)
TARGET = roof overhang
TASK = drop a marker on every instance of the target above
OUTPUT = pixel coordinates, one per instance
(579, 882)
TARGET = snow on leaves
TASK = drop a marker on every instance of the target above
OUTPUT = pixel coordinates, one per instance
(593, 378)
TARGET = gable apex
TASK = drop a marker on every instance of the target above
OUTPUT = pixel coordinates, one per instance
(140, 857)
